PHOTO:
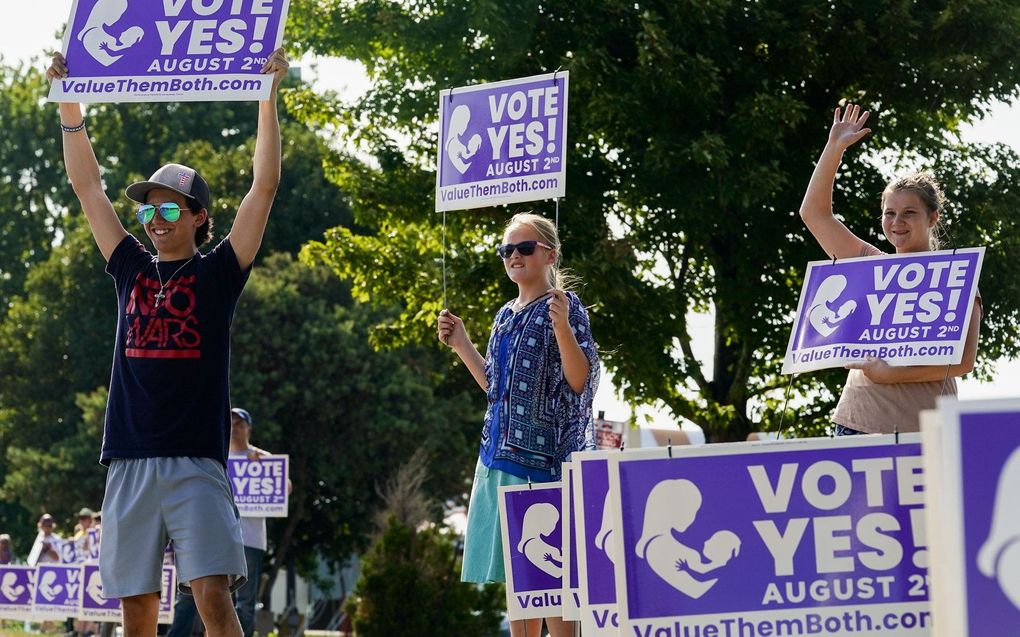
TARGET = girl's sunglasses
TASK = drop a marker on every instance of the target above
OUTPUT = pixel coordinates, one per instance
(524, 248)
(169, 211)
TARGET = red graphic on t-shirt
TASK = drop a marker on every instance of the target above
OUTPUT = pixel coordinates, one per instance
(163, 329)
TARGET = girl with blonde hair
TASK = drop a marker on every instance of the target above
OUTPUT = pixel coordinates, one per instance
(540, 372)
(878, 397)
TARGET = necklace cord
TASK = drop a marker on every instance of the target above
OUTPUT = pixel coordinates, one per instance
(162, 286)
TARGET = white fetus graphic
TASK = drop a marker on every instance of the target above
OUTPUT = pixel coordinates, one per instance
(999, 556)
(10, 587)
(603, 539)
(95, 588)
(102, 45)
(672, 507)
(540, 520)
(455, 148)
(48, 586)
(821, 316)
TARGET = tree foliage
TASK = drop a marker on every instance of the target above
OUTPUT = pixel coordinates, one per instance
(58, 310)
(410, 585)
(694, 129)
(301, 362)
(347, 416)
(31, 180)
(410, 577)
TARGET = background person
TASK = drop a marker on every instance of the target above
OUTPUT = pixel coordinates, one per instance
(45, 549)
(82, 550)
(6, 553)
(253, 535)
(543, 334)
(253, 529)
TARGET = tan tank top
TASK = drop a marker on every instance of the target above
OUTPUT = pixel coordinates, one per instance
(877, 408)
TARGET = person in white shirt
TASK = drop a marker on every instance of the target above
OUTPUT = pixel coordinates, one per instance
(46, 549)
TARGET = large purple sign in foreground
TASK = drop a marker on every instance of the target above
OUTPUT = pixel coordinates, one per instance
(502, 142)
(169, 50)
(813, 537)
(593, 517)
(909, 309)
(977, 547)
(260, 485)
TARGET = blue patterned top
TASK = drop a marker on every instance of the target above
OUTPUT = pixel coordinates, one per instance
(535, 420)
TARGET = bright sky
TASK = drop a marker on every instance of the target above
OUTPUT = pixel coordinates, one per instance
(31, 29)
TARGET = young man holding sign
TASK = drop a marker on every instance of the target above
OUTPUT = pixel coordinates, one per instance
(165, 438)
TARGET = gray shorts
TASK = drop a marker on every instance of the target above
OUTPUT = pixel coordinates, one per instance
(149, 501)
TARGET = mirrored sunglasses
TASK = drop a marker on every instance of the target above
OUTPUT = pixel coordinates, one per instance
(524, 248)
(169, 211)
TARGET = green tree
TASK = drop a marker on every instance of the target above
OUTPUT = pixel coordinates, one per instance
(54, 346)
(410, 578)
(32, 184)
(347, 416)
(694, 129)
(57, 305)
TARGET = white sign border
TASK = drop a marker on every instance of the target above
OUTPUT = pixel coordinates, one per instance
(792, 367)
(55, 94)
(511, 198)
(627, 626)
(513, 607)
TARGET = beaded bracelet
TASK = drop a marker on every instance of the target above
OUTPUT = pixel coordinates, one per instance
(72, 129)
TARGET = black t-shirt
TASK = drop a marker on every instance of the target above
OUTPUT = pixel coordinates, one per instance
(169, 391)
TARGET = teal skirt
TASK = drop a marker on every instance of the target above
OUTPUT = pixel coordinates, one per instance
(483, 544)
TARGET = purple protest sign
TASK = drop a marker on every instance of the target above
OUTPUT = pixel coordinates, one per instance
(502, 142)
(94, 605)
(609, 433)
(571, 610)
(92, 544)
(599, 616)
(68, 551)
(260, 485)
(909, 309)
(976, 549)
(17, 586)
(813, 537)
(532, 549)
(169, 50)
(57, 592)
(168, 594)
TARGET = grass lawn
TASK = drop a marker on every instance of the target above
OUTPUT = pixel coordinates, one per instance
(16, 629)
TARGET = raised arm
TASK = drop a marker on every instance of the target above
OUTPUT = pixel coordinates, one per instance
(250, 223)
(816, 209)
(83, 171)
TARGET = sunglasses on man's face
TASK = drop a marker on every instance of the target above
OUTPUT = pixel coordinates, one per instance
(169, 211)
(524, 248)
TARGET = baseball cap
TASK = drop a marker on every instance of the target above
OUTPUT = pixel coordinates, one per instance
(242, 414)
(86, 513)
(176, 177)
